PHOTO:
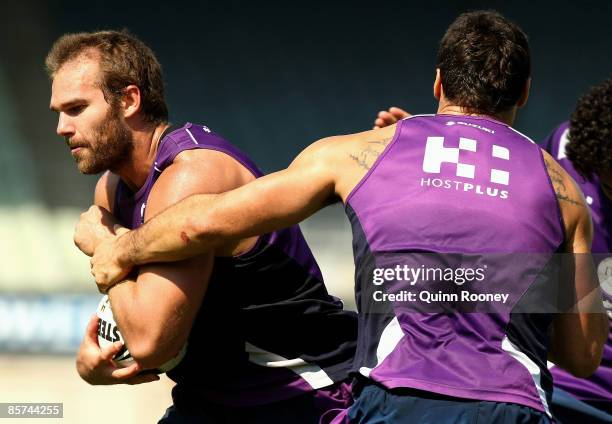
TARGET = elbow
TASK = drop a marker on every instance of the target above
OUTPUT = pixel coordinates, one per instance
(144, 354)
(152, 352)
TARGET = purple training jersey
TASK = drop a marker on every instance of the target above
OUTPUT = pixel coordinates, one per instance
(267, 329)
(470, 198)
(598, 387)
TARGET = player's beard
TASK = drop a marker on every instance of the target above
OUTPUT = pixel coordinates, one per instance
(110, 146)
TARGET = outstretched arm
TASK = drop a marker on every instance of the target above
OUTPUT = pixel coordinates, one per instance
(200, 223)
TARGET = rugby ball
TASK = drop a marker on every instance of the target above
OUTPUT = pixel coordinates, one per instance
(108, 333)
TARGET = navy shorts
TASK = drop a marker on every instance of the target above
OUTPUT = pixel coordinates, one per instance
(568, 410)
(377, 405)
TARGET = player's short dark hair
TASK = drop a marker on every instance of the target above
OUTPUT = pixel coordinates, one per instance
(590, 134)
(124, 60)
(484, 62)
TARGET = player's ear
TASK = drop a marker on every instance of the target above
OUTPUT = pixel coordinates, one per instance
(525, 94)
(130, 101)
(437, 86)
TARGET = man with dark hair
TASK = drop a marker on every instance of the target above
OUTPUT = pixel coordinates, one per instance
(587, 158)
(265, 341)
(583, 147)
(590, 136)
(433, 193)
(486, 73)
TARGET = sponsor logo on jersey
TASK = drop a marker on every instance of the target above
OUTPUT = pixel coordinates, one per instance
(469, 124)
(436, 154)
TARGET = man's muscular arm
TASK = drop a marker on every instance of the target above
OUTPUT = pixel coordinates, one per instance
(578, 336)
(323, 173)
(94, 364)
(200, 223)
(156, 311)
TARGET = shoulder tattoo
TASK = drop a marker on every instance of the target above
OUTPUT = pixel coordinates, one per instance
(559, 184)
(366, 157)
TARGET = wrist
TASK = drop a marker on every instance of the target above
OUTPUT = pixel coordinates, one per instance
(125, 254)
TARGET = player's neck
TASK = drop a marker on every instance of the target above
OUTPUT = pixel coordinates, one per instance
(506, 117)
(134, 172)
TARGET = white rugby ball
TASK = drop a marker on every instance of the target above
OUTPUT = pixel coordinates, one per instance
(108, 333)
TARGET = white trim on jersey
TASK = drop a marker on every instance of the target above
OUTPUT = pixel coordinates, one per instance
(520, 133)
(563, 140)
(142, 211)
(312, 374)
(390, 337)
(416, 116)
(191, 135)
(531, 366)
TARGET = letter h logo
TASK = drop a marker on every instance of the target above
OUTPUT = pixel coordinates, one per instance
(436, 154)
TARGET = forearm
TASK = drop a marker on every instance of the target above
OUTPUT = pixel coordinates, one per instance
(580, 333)
(589, 310)
(577, 342)
(170, 236)
(201, 223)
(155, 313)
(151, 338)
(595, 325)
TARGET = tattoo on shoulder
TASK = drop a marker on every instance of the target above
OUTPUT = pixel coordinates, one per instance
(366, 157)
(559, 184)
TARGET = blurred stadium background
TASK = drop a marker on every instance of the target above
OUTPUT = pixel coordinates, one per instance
(271, 77)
